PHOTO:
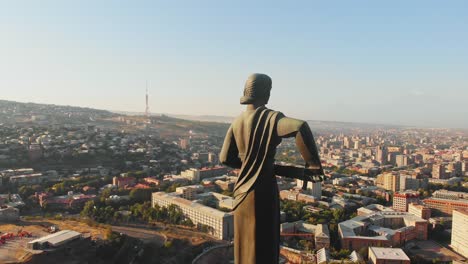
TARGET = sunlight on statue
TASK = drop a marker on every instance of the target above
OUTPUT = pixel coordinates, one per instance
(250, 145)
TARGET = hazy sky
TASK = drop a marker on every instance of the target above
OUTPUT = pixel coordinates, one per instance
(398, 62)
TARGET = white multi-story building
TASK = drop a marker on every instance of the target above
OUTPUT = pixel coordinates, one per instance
(191, 175)
(460, 231)
(221, 224)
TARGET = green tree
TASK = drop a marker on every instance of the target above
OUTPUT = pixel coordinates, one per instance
(140, 195)
(25, 191)
(338, 215)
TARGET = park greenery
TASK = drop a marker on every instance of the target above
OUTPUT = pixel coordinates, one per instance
(136, 213)
(295, 212)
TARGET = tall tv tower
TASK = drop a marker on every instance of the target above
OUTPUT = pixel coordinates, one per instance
(147, 113)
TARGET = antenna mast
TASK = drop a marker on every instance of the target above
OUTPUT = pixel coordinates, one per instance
(147, 113)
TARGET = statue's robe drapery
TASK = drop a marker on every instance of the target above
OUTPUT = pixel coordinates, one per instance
(250, 145)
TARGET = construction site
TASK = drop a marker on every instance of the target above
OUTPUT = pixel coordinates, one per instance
(21, 241)
(69, 241)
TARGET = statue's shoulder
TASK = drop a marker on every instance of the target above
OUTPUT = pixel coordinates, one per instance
(278, 114)
(238, 120)
(249, 115)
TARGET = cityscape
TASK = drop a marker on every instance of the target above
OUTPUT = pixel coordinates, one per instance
(110, 180)
(233, 132)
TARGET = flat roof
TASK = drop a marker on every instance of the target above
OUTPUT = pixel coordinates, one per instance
(462, 211)
(26, 176)
(389, 253)
(57, 238)
(180, 201)
(435, 199)
(372, 222)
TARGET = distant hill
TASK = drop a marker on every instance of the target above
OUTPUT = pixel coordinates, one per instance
(206, 118)
(202, 118)
(28, 114)
(347, 125)
(316, 125)
(13, 111)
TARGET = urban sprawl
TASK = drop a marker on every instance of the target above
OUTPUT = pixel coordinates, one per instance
(390, 195)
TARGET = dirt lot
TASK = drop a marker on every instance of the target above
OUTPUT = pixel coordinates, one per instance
(142, 234)
(183, 244)
(430, 250)
(95, 232)
(14, 250)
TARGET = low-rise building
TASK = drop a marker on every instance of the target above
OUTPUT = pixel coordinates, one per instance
(11, 199)
(212, 172)
(379, 255)
(123, 182)
(28, 179)
(373, 208)
(419, 210)
(54, 240)
(8, 214)
(196, 175)
(189, 192)
(64, 202)
(323, 256)
(191, 175)
(219, 200)
(296, 195)
(450, 195)
(317, 233)
(314, 188)
(225, 185)
(389, 229)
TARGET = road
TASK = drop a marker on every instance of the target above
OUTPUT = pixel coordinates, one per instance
(141, 233)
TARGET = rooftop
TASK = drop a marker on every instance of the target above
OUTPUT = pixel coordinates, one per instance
(58, 237)
(464, 202)
(389, 253)
(26, 176)
(354, 227)
(462, 211)
(180, 201)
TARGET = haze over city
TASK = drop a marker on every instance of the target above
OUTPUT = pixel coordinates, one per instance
(241, 132)
(398, 62)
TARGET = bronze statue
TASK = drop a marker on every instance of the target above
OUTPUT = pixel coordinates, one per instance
(250, 145)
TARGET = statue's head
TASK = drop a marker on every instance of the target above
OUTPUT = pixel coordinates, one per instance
(257, 89)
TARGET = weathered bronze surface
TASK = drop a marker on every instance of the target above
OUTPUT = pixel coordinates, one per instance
(250, 145)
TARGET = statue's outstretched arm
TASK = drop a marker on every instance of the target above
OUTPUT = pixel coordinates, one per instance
(290, 127)
(229, 154)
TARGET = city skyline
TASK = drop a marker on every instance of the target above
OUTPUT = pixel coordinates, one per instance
(396, 63)
(123, 138)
